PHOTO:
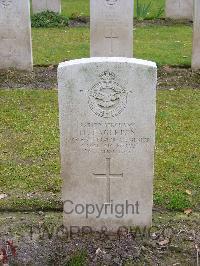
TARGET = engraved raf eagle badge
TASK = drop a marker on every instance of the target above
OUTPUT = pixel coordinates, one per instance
(107, 98)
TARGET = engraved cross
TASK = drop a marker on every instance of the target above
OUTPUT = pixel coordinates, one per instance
(111, 36)
(108, 176)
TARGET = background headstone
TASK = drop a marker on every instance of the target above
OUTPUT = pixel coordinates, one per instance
(44, 5)
(107, 124)
(111, 28)
(15, 35)
(196, 36)
(179, 9)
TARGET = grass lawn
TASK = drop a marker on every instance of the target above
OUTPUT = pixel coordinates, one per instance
(170, 45)
(81, 7)
(29, 140)
(74, 8)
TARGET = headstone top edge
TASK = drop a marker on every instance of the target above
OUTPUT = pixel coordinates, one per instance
(107, 60)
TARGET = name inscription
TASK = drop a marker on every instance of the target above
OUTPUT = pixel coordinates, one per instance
(105, 138)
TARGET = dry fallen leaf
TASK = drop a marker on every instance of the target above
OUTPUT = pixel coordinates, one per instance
(197, 248)
(164, 242)
(99, 251)
(168, 69)
(188, 192)
(3, 196)
(188, 211)
(51, 67)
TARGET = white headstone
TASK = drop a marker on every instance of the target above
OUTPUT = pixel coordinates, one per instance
(107, 126)
(44, 5)
(15, 35)
(179, 9)
(196, 36)
(111, 28)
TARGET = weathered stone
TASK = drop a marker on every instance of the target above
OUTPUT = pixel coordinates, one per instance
(179, 9)
(111, 26)
(44, 5)
(196, 36)
(15, 35)
(107, 124)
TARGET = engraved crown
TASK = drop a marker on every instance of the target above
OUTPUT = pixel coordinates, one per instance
(107, 76)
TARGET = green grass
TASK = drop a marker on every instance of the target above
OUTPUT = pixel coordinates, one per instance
(81, 7)
(177, 153)
(79, 259)
(165, 45)
(30, 161)
(30, 145)
(51, 46)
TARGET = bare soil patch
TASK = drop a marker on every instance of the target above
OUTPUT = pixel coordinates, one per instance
(161, 22)
(85, 22)
(46, 78)
(40, 239)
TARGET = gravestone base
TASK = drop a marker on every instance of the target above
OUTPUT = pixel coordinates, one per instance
(196, 37)
(179, 9)
(111, 28)
(107, 126)
(44, 5)
(15, 35)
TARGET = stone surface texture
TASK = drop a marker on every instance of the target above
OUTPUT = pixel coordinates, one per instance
(196, 36)
(107, 128)
(111, 28)
(15, 35)
(44, 5)
(179, 9)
